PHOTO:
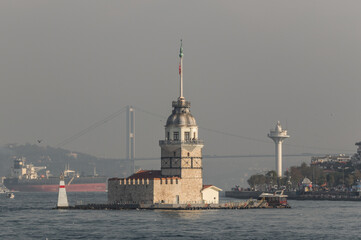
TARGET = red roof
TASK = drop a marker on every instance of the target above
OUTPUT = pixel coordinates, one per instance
(213, 187)
(146, 174)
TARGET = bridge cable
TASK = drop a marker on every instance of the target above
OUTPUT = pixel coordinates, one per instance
(90, 128)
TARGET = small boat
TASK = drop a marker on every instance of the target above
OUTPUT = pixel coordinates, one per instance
(274, 200)
(10, 195)
(3, 189)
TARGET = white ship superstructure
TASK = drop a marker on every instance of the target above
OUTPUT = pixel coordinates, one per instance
(21, 170)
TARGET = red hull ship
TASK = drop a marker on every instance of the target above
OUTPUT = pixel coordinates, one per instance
(26, 179)
(95, 187)
(78, 184)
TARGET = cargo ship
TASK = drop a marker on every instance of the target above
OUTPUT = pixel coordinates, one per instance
(25, 178)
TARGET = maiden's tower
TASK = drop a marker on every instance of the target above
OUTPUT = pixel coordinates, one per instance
(180, 179)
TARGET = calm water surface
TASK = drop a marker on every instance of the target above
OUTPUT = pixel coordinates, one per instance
(30, 216)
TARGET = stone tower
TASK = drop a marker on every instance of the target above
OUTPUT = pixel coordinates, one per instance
(181, 151)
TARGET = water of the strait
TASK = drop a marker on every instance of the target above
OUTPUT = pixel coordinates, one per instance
(30, 216)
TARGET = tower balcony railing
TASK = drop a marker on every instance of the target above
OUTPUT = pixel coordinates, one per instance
(183, 104)
(190, 141)
(283, 133)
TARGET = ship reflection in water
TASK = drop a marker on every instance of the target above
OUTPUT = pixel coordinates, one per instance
(25, 178)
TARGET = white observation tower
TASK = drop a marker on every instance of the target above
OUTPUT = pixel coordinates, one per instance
(278, 135)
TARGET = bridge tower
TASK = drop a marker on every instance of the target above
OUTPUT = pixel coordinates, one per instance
(130, 137)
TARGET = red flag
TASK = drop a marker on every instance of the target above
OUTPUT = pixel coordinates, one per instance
(180, 69)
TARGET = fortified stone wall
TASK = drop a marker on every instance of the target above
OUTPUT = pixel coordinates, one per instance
(163, 190)
(168, 190)
(130, 191)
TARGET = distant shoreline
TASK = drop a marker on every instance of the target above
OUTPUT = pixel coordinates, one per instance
(316, 196)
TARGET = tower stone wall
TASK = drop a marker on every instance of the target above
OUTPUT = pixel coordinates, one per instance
(181, 152)
(130, 191)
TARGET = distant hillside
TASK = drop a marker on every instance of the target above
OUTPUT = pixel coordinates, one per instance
(55, 160)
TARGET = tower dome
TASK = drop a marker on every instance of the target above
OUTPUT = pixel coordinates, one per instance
(181, 115)
(182, 119)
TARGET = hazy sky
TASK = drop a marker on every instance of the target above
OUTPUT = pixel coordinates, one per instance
(67, 64)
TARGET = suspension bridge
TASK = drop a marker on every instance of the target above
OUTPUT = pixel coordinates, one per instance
(130, 138)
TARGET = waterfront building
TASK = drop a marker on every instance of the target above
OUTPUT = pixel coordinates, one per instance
(330, 161)
(180, 180)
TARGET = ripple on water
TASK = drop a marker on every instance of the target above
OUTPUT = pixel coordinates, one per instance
(30, 216)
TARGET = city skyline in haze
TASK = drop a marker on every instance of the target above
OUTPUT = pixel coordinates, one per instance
(247, 64)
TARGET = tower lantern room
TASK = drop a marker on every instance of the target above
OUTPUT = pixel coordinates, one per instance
(181, 125)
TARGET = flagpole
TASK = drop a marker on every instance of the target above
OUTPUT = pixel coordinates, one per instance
(181, 71)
